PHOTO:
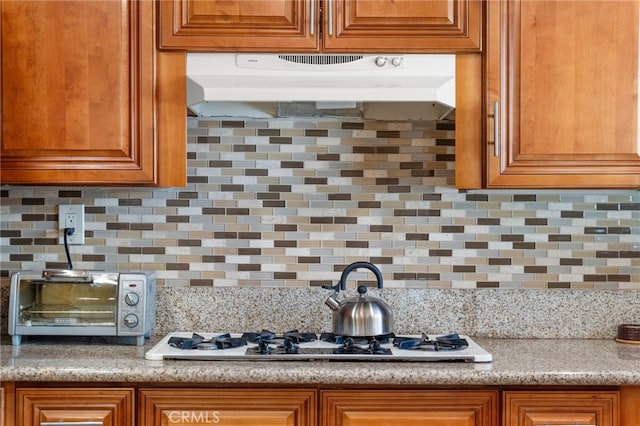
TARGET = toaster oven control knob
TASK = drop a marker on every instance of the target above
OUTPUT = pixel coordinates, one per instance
(131, 320)
(132, 299)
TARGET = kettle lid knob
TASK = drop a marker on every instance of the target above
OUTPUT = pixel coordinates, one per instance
(362, 289)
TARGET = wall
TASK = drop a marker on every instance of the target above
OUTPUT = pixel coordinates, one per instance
(288, 203)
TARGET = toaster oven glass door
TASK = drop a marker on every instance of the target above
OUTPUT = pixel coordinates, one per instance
(60, 303)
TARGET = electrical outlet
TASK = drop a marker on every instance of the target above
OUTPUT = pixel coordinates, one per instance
(71, 216)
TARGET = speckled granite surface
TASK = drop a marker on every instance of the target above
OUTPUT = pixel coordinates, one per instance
(496, 313)
(536, 337)
(242, 309)
(516, 362)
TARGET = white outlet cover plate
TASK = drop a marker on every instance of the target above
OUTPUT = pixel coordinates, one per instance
(77, 237)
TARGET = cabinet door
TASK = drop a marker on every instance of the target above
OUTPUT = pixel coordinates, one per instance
(563, 80)
(239, 25)
(78, 95)
(107, 407)
(402, 26)
(560, 408)
(227, 407)
(348, 25)
(408, 408)
(7, 403)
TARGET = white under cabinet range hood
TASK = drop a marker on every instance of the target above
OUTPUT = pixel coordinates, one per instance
(331, 81)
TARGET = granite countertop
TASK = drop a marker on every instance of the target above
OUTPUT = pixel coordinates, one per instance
(596, 362)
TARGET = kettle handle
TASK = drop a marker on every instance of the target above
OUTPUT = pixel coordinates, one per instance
(356, 265)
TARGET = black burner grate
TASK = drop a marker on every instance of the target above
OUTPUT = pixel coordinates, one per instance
(450, 342)
(196, 341)
(293, 335)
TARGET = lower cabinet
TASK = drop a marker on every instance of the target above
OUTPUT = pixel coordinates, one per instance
(407, 408)
(536, 408)
(7, 404)
(227, 407)
(75, 406)
(59, 404)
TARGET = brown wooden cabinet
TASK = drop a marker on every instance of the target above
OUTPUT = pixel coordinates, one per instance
(103, 406)
(227, 407)
(238, 25)
(562, 80)
(538, 408)
(321, 25)
(407, 26)
(7, 404)
(28, 404)
(630, 405)
(85, 97)
(408, 407)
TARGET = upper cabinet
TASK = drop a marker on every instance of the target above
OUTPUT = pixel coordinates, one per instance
(403, 26)
(83, 98)
(239, 25)
(562, 102)
(321, 25)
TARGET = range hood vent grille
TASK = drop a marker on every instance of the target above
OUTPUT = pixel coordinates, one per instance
(321, 59)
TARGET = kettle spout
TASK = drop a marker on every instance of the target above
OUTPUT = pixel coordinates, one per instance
(332, 302)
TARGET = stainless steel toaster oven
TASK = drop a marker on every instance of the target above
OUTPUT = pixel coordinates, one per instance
(82, 303)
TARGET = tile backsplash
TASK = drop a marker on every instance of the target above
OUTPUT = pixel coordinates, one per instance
(289, 202)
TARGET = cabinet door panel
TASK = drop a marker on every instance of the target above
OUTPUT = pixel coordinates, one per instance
(228, 407)
(558, 418)
(234, 25)
(407, 25)
(78, 416)
(565, 75)
(109, 407)
(198, 416)
(78, 92)
(560, 408)
(384, 418)
(400, 407)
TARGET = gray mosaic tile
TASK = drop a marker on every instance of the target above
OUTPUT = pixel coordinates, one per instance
(247, 175)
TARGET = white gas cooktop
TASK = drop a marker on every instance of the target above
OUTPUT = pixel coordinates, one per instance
(215, 347)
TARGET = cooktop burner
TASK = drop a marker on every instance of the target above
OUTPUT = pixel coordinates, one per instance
(450, 342)
(295, 345)
(196, 341)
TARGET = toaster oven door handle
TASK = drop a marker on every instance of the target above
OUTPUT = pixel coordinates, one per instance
(83, 423)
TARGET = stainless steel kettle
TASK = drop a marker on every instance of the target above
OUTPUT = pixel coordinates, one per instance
(361, 315)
